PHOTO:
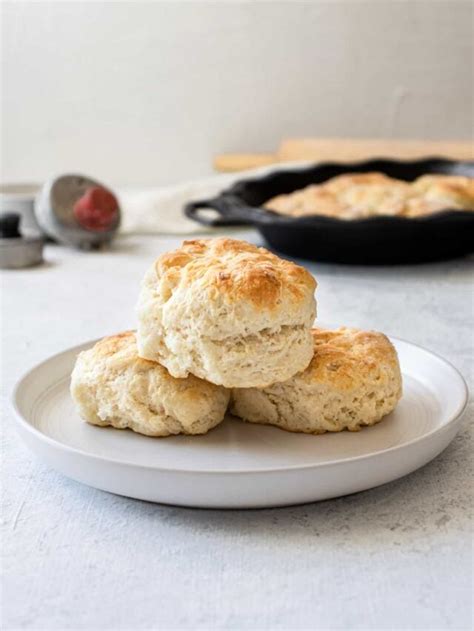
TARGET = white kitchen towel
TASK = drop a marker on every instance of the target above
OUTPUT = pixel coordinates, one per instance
(160, 210)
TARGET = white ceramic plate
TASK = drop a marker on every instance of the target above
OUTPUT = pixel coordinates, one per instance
(240, 465)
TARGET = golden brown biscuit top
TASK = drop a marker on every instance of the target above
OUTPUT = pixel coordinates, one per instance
(122, 347)
(341, 183)
(447, 189)
(235, 270)
(347, 357)
(312, 200)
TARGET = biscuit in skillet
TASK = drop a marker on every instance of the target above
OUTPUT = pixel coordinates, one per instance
(434, 193)
(362, 195)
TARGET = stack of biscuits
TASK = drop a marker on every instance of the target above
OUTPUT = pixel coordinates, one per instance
(226, 326)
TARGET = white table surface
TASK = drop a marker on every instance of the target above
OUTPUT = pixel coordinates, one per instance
(396, 557)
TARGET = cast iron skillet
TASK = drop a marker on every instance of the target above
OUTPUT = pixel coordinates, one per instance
(376, 240)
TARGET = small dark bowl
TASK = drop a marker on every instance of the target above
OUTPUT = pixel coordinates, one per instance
(376, 240)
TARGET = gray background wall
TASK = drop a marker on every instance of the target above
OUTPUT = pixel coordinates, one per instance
(144, 93)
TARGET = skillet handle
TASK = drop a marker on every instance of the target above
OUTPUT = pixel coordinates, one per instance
(230, 209)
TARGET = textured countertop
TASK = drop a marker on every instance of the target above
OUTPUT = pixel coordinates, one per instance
(396, 557)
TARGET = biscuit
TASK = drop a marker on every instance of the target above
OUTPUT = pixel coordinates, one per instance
(111, 385)
(228, 312)
(353, 380)
(348, 181)
(440, 192)
(369, 194)
(312, 200)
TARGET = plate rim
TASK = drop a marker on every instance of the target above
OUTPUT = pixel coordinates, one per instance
(56, 444)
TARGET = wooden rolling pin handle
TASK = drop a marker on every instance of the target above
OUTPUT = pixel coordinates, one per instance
(232, 162)
(345, 150)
